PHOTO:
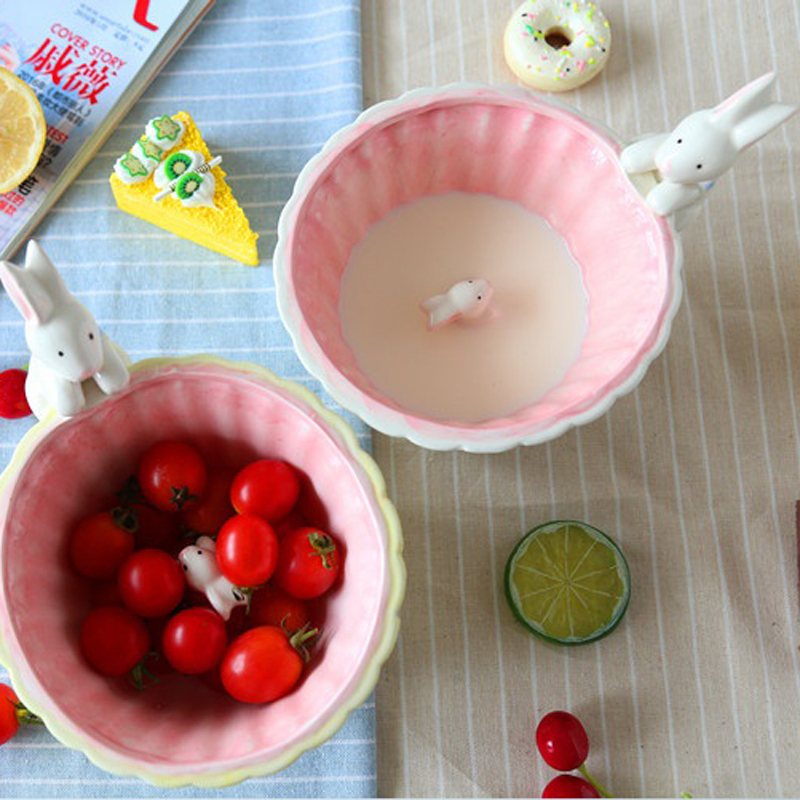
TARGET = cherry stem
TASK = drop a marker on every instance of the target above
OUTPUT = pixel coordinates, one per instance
(586, 774)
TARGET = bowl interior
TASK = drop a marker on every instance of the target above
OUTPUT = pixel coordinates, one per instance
(180, 724)
(547, 159)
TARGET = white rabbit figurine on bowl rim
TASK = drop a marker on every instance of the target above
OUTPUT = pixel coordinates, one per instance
(70, 356)
(703, 147)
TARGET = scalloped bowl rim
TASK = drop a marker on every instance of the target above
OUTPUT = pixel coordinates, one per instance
(442, 435)
(370, 669)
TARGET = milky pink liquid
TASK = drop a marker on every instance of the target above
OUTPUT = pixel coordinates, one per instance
(467, 371)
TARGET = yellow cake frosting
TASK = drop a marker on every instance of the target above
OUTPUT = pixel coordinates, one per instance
(222, 227)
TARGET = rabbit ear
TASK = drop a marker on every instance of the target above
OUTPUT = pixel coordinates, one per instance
(207, 543)
(40, 265)
(744, 103)
(750, 130)
(27, 294)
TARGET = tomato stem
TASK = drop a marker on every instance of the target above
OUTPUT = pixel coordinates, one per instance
(323, 547)
(125, 518)
(246, 593)
(131, 492)
(25, 717)
(299, 638)
(597, 785)
(140, 676)
(181, 496)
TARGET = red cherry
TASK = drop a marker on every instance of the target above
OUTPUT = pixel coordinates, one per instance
(13, 403)
(569, 786)
(562, 741)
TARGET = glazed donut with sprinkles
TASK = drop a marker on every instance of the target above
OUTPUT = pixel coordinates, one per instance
(554, 45)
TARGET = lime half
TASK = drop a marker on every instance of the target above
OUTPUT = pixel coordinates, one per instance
(568, 582)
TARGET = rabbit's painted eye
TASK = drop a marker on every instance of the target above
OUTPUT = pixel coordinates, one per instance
(699, 166)
(61, 352)
(680, 141)
(91, 336)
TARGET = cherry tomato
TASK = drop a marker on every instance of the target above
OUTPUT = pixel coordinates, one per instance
(569, 786)
(194, 640)
(262, 665)
(271, 606)
(268, 488)
(101, 542)
(113, 640)
(13, 401)
(12, 713)
(155, 529)
(211, 511)
(172, 475)
(308, 563)
(151, 583)
(562, 740)
(9, 719)
(247, 550)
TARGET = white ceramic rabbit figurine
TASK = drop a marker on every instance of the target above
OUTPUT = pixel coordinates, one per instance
(199, 561)
(704, 145)
(69, 353)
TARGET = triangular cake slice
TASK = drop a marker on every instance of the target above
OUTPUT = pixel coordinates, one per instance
(222, 227)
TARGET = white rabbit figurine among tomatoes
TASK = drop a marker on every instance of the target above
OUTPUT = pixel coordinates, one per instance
(704, 146)
(70, 356)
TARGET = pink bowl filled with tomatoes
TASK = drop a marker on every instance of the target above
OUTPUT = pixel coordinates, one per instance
(180, 729)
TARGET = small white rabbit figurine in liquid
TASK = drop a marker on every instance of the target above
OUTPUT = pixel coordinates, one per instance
(69, 352)
(704, 146)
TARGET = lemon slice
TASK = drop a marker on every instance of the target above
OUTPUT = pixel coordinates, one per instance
(568, 582)
(22, 130)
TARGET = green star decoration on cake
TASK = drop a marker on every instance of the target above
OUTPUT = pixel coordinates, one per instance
(133, 166)
(166, 128)
(149, 149)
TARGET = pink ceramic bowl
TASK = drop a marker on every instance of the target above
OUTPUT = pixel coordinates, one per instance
(179, 731)
(514, 145)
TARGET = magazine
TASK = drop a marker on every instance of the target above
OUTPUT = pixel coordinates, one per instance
(87, 61)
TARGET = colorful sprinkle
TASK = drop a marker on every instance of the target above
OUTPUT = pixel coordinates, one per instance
(581, 65)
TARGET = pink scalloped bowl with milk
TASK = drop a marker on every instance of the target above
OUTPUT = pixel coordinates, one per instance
(180, 731)
(506, 143)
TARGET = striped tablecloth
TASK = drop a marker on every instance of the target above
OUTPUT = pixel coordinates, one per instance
(695, 474)
(267, 82)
